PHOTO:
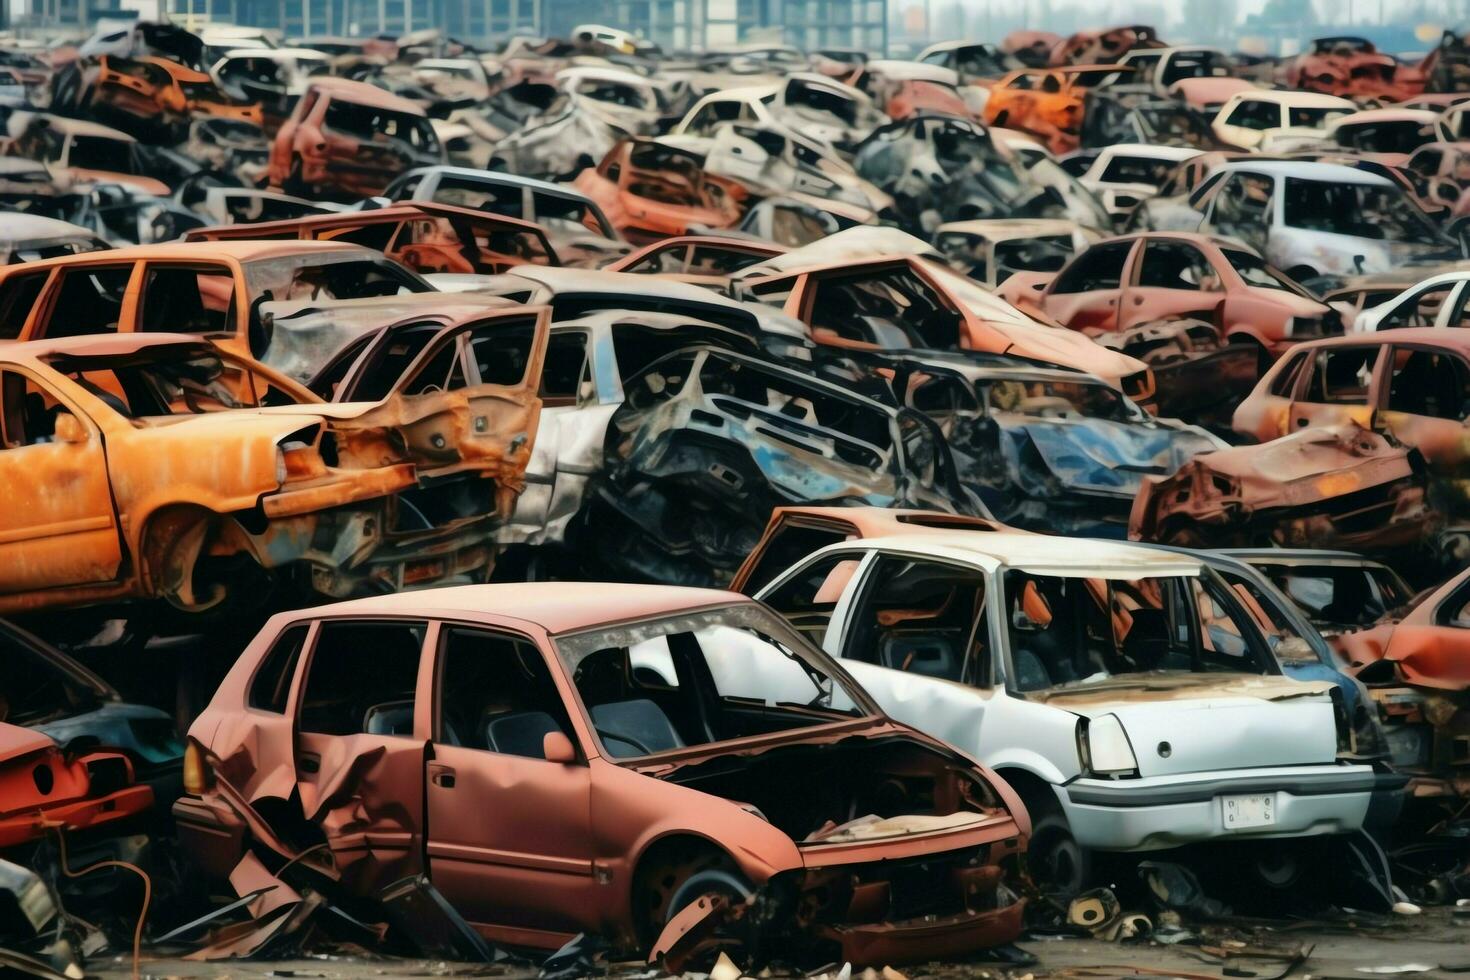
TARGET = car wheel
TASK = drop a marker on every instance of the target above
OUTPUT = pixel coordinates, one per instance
(1059, 864)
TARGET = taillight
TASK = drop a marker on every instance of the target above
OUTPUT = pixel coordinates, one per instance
(198, 776)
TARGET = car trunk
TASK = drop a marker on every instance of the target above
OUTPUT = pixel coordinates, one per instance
(1202, 724)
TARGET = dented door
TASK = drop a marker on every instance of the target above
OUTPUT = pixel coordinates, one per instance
(1336, 386)
(57, 526)
(361, 740)
(1425, 402)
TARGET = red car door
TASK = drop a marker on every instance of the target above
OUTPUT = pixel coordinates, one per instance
(1085, 294)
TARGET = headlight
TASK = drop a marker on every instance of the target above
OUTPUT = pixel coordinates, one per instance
(1104, 747)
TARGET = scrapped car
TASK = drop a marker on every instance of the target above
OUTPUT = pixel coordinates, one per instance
(699, 259)
(1311, 219)
(428, 238)
(971, 60)
(1031, 48)
(818, 107)
(624, 99)
(1124, 175)
(1161, 69)
(1389, 136)
(1339, 591)
(31, 237)
(1249, 118)
(153, 95)
(43, 785)
(650, 189)
(1331, 486)
(228, 146)
(1410, 383)
(557, 143)
(907, 88)
(573, 222)
(1091, 47)
(76, 150)
(1208, 93)
(273, 78)
(352, 138)
(1352, 67)
(1132, 280)
(1436, 301)
(897, 301)
(990, 252)
(707, 441)
(238, 293)
(1045, 450)
(1159, 735)
(493, 718)
(1047, 103)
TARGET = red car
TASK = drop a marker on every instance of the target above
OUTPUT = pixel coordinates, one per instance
(628, 760)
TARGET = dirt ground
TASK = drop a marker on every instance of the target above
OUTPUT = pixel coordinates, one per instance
(1356, 947)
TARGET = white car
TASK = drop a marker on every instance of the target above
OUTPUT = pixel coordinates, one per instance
(1125, 175)
(1309, 219)
(1249, 119)
(814, 105)
(1438, 301)
(1126, 693)
(1160, 68)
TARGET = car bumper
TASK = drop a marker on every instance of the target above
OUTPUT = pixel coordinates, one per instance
(1170, 811)
(929, 938)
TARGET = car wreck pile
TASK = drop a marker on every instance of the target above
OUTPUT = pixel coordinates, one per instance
(990, 469)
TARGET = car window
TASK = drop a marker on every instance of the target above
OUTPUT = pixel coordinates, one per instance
(29, 411)
(17, 297)
(496, 693)
(1254, 114)
(1431, 383)
(922, 617)
(808, 599)
(1285, 381)
(361, 678)
(188, 299)
(1341, 375)
(270, 688)
(1099, 267)
(88, 301)
(891, 308)
(1175, 265)
(1244, 203)
(567, 368)
(1419, 310)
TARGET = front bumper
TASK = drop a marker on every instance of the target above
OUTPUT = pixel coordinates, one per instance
(929, 938)
(1169, 811)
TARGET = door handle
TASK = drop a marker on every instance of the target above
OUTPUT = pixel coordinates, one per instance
(442, 776)
(1301, 423)
(310, 762)
(1138, 301)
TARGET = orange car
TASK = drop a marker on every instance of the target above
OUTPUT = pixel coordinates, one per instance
(426, 237)
(652, 190)
(151, 92)
(350, 138)
(1048, 103)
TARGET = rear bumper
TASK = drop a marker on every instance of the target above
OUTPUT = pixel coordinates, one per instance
(1169, 811)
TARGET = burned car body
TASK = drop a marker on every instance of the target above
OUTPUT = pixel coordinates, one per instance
(651, 189)
(904, 612)
(1046, 450)
(989, 252)
(706, 439)
(485, 779)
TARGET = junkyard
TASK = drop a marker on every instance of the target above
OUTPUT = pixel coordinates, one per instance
(704, 488)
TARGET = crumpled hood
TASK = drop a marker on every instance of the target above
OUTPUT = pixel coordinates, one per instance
(1099, 456)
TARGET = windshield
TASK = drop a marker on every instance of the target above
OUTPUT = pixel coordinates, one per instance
(1340, 596)
(1404, 136)
(1077, 633)
(311, 277)
(1056, 399)
(177, 380)
(703, 678)
(35, 690)
(1255, 272)
(101, 153)
(1313, 118)
(1137, 170)
(1360, 210)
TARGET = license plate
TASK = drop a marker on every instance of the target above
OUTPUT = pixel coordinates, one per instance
(1245, 812)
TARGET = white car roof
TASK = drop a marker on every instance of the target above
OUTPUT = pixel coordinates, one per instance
(1041, 554)
(1307, 100)
(1151, 150)
(913, 71)
(1306, 170)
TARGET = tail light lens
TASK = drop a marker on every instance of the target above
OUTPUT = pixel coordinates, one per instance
(198, 776)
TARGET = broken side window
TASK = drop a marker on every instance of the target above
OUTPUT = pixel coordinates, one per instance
(270, 688)
(1254, 114)
(566, 368)
(188, 299)
(1285, 381)
(1419, 310)
(922, 617)
(88, 300)
(892, 308)
(496, 694)
(501, 350)
(1341, 375)
(1099, 267)
(1176, 265)
(809, 598)
(30, 411)
(361, 678)
(17, 297)
(1431, 383)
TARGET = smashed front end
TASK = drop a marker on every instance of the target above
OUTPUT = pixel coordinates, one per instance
(1199, 377)
(1337, 487)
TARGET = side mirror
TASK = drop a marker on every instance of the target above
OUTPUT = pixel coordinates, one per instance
(556, 747)
(69, 429)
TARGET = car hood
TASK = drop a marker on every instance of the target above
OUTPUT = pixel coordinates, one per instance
(1101, 456)
(1290, 302)
(1180, 722)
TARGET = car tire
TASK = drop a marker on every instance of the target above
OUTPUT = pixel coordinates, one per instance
(737, 936)
(1059, 865)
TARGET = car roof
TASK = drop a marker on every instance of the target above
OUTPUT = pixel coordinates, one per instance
(1037, 553)
(1155, 150)
(500, 177)
(1433, 336)
(365, 94)
(557, 607)
(1003, 229)
(1390, 114)
(1335, 173)
(1299, 556)
(241, 251)
(99, 345)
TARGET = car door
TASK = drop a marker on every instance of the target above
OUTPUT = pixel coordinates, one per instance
(1169, 279)
(362, 726)
(58, 527)
(1242, 208)
(1085, 295)
(1427, 403)
(1336, 386)
(510, 833)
